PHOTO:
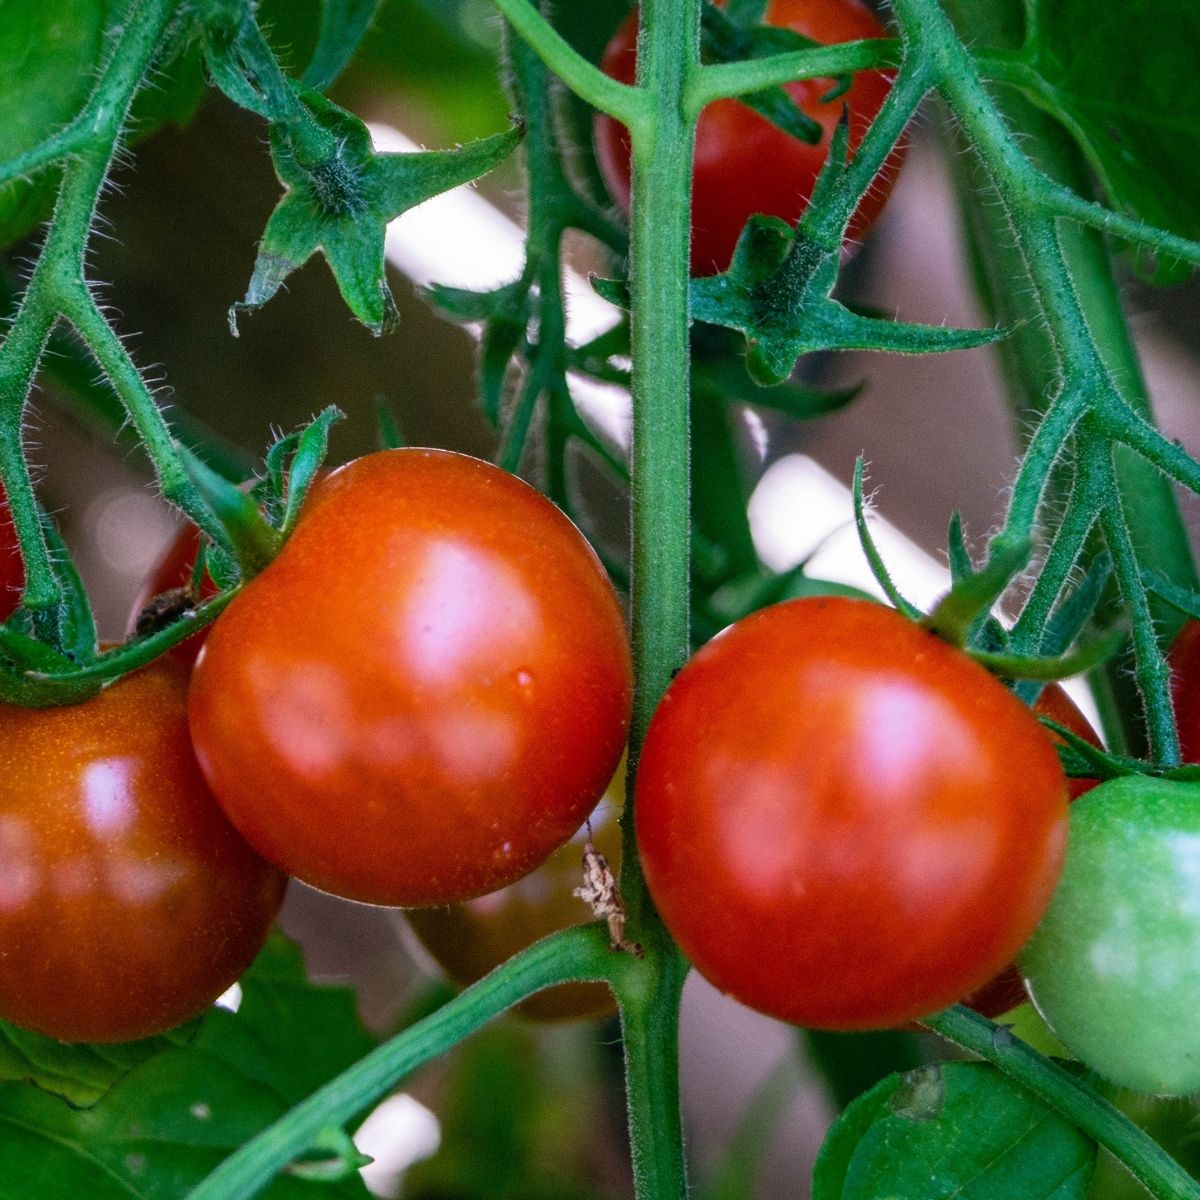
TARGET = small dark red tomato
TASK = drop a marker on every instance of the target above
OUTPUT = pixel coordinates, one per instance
(428, 690)
(743, 163)
(1007, 990)
(172, 573)
(12, 573)
(1185, 689)
(128, 903)
(844, 821)
(472, 938)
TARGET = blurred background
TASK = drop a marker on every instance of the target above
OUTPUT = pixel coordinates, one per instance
(184, 221)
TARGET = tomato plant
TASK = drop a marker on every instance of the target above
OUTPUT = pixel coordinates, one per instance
(744, 164)
(425, 693)
(418, 679)
(1113, 966)
(128, 902)
(472, 938)
(855, 798)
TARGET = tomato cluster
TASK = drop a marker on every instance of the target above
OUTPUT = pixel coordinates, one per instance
(743, 163)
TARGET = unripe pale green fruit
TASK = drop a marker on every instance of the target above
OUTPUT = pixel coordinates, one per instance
(1114, 967)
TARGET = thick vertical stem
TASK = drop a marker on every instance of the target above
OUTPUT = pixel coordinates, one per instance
(659, 237)
(663, 140)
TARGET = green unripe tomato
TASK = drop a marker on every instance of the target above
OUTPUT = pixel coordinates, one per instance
(1114, 967)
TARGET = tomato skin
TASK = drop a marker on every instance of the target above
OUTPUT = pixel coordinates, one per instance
(470, 939)
(174, 570)
(1114, 967)
(831, 802)
(1184, 659)
(128, 902)
(425, 693)
(12, 571)
(1007, 990)
(743, 163)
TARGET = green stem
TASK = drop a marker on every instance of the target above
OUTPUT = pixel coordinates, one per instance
(578, 953)
(1073, 1097)
(650, 1031)
(662, 150)
(718, 81)
(60, 267)
(79, 308)
(1153, 675)
(628, 105)
(1070, 539)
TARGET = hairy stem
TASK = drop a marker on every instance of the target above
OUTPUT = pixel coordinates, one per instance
(578, 953)
(1163, 1177)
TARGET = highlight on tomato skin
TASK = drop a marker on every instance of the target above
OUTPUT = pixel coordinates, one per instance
(470, 939)
(743, 163)
(128, 903)
(12, 571)
(1007, 990)
(425, 693)
(845, 822)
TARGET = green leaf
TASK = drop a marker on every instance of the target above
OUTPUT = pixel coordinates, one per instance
(343, 204)
(343, 24)
(1123, 78)
(972, 595)
(170, 1120)
(777, 293)
(79, 1074)
(960, 1130)
(49, 54)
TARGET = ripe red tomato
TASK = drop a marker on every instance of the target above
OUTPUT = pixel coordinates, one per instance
(427, 691)
(12, 572)
(1185, 689)
(128, 902)
(743, 163)
(1007, 990)
(844, 821)
(470, 939)
(172, 572)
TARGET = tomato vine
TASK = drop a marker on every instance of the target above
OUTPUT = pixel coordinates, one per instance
(1091, 445)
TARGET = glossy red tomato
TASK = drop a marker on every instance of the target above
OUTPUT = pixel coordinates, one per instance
(470, 939)
(1185, 689)
(1007, 990)
(844, 821)
(12, 573)
(128, 902)
(174, 571)
(746, 165)
(425, 693)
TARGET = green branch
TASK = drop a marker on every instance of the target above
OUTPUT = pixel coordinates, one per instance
(633, 108)
(717, 81)
(1071, 1096)
(574, 954)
